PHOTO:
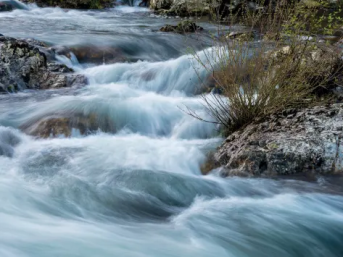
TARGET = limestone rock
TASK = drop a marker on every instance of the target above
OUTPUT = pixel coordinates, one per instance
(304, 141)
(24, 66)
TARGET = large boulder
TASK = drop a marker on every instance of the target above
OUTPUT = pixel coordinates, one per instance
(293, 142)
(24, 66)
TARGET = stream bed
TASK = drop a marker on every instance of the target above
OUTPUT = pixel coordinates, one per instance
(133, 187)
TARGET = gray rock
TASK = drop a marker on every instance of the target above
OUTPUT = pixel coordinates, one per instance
(307, 141)
(182, 27)
(24, 66)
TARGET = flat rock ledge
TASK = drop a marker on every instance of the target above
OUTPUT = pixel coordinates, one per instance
(29, 64)
(308, 141)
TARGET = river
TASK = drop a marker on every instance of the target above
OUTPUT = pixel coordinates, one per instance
(134, 188)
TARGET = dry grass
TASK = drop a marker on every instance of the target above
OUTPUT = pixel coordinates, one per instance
(260, 77)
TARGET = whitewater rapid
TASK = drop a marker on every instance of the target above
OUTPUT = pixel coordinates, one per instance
(134, 187)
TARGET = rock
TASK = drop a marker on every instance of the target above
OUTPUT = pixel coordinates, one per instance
(66, 126)
(182, 27)
(306, 141)
(74, 4)
(186, 8)
(241, 36)
(23, 65)
(1, 35)
(209, 165)
(326, 58)
(92, 54)
(160, 4)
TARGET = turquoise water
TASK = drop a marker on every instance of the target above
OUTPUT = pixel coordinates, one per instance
(134, 186)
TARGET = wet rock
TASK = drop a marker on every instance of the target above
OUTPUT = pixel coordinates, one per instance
(58, 67)
(23, 65)
(74, 4)
(92, 54)
(50, 127)
(210, 164)
(294, 142)
(182, 27)
(241, 36)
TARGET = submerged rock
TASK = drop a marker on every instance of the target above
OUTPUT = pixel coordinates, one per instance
(23, 65)
(304, 141)
(50, 127)
(182, 27)
(241, 36)
(92, 53)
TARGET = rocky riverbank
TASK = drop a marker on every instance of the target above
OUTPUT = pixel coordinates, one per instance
(220, 8)
(30, 64)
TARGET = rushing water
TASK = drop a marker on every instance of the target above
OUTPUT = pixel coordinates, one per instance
(134, 188)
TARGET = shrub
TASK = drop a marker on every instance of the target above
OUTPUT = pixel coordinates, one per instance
(281, 63)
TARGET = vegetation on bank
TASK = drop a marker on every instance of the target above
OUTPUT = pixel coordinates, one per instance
(282, 60)
(75, 4)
